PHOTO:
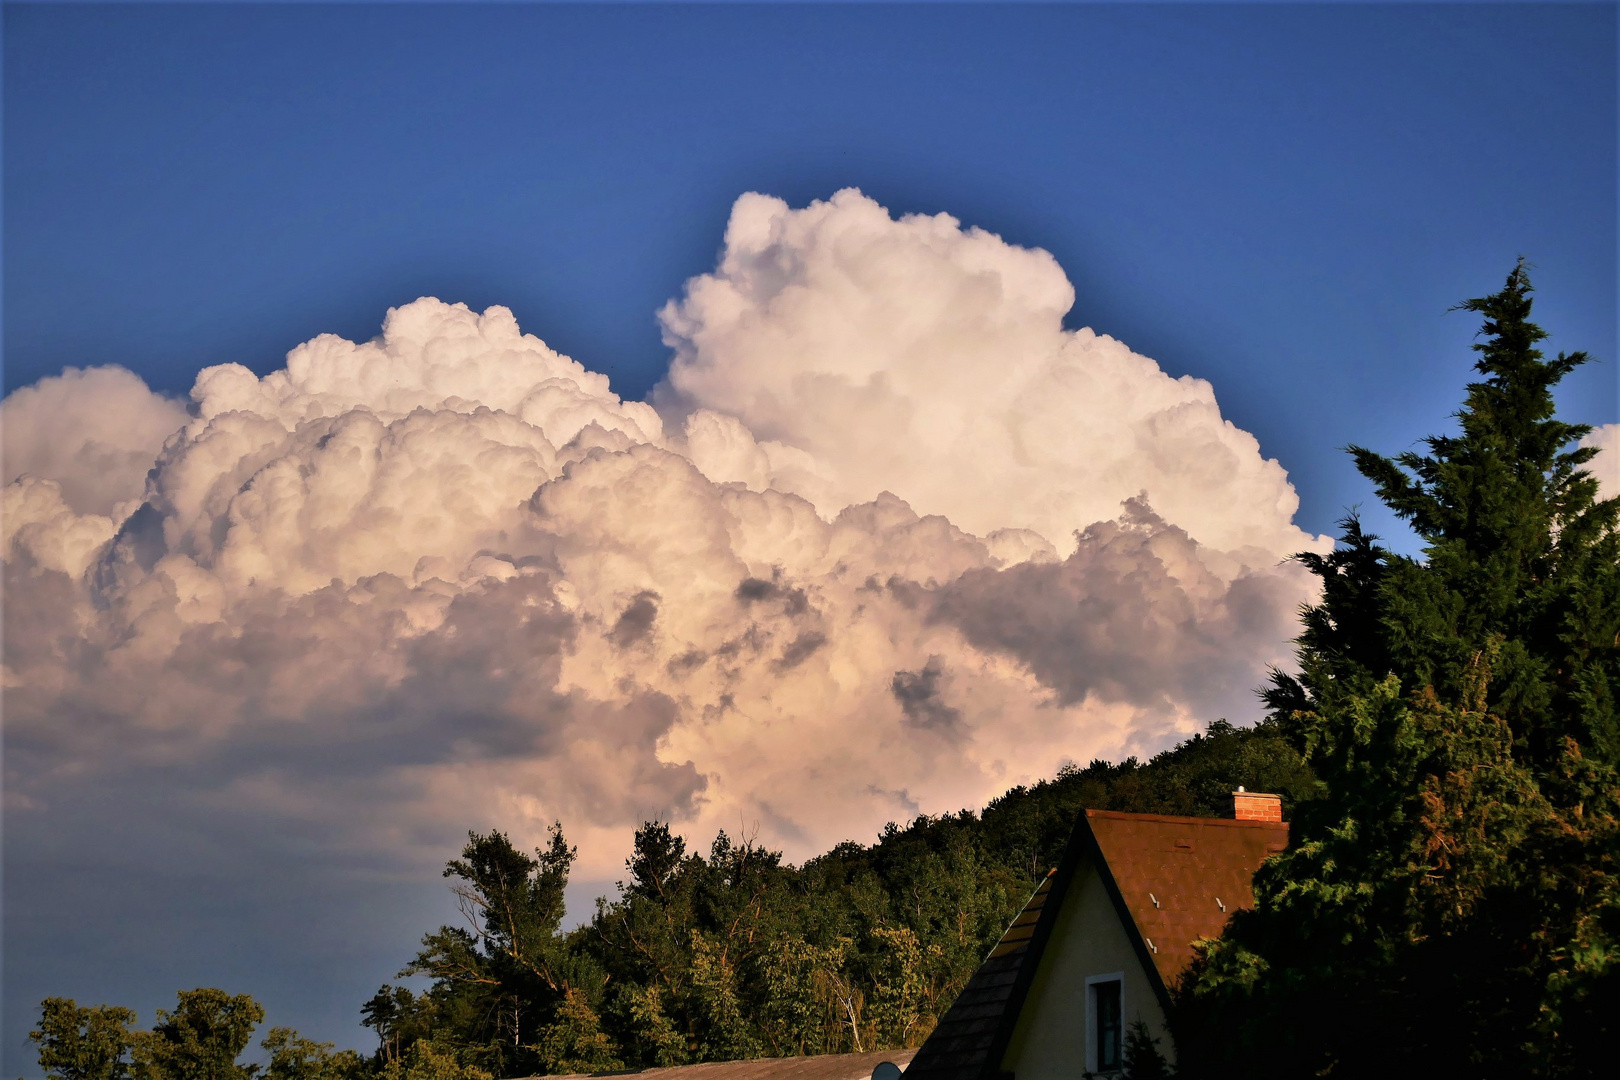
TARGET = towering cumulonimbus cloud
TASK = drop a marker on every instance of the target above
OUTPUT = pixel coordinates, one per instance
(893, 541)
(868, 354)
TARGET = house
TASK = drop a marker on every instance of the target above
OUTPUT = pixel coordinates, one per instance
(1101, 943)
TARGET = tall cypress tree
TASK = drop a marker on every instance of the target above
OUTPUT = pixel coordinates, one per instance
(1453, 901)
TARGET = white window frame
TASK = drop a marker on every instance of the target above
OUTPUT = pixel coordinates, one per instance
(1091, 1015)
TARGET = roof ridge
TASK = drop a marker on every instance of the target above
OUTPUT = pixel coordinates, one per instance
(972, 1037)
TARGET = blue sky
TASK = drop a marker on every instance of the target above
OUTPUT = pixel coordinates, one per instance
(1283, 199)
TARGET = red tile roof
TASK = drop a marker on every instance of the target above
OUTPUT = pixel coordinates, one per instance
(1172, 880)
(1182, 877)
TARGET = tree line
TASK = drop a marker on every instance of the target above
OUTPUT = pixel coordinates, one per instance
(735, 953)
(1448, 754)
(703, 956)
(201, 1039)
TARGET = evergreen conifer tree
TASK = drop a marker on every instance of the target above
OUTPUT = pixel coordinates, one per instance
(1452, 903)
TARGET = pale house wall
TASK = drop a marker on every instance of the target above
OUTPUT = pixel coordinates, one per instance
(1051, 1040)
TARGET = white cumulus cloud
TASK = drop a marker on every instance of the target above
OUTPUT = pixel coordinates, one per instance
(908, 542)
(94, 431)
(867, 354)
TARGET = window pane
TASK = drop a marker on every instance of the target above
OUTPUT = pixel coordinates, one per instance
(1110, 1049)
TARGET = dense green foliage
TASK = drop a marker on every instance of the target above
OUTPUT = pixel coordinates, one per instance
(1452, 904)
(200, 1039)
(293, 1057)
(90, 1043)
(735, 953)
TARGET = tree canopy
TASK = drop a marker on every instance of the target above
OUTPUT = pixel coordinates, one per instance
(702, 956)
(735, 953)
(1453, 896)
(83, 1043)
(200, 1039)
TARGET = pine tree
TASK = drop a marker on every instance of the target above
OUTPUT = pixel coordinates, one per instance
(1453, 902)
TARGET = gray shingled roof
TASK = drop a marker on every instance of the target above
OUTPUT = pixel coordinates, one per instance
(972, 1035)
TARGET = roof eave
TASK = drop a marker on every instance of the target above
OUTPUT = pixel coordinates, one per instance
(1032, 962)
(1083, 837)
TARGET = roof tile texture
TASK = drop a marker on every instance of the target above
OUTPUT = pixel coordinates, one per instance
(1182, 877)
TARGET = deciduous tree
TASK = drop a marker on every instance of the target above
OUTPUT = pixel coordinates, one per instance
(200, 1039)
(293, 1057)
(88, 1042)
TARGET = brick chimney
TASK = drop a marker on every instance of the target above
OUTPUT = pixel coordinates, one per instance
(1254, 806)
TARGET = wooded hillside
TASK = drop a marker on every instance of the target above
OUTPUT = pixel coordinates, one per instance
(734, 953)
